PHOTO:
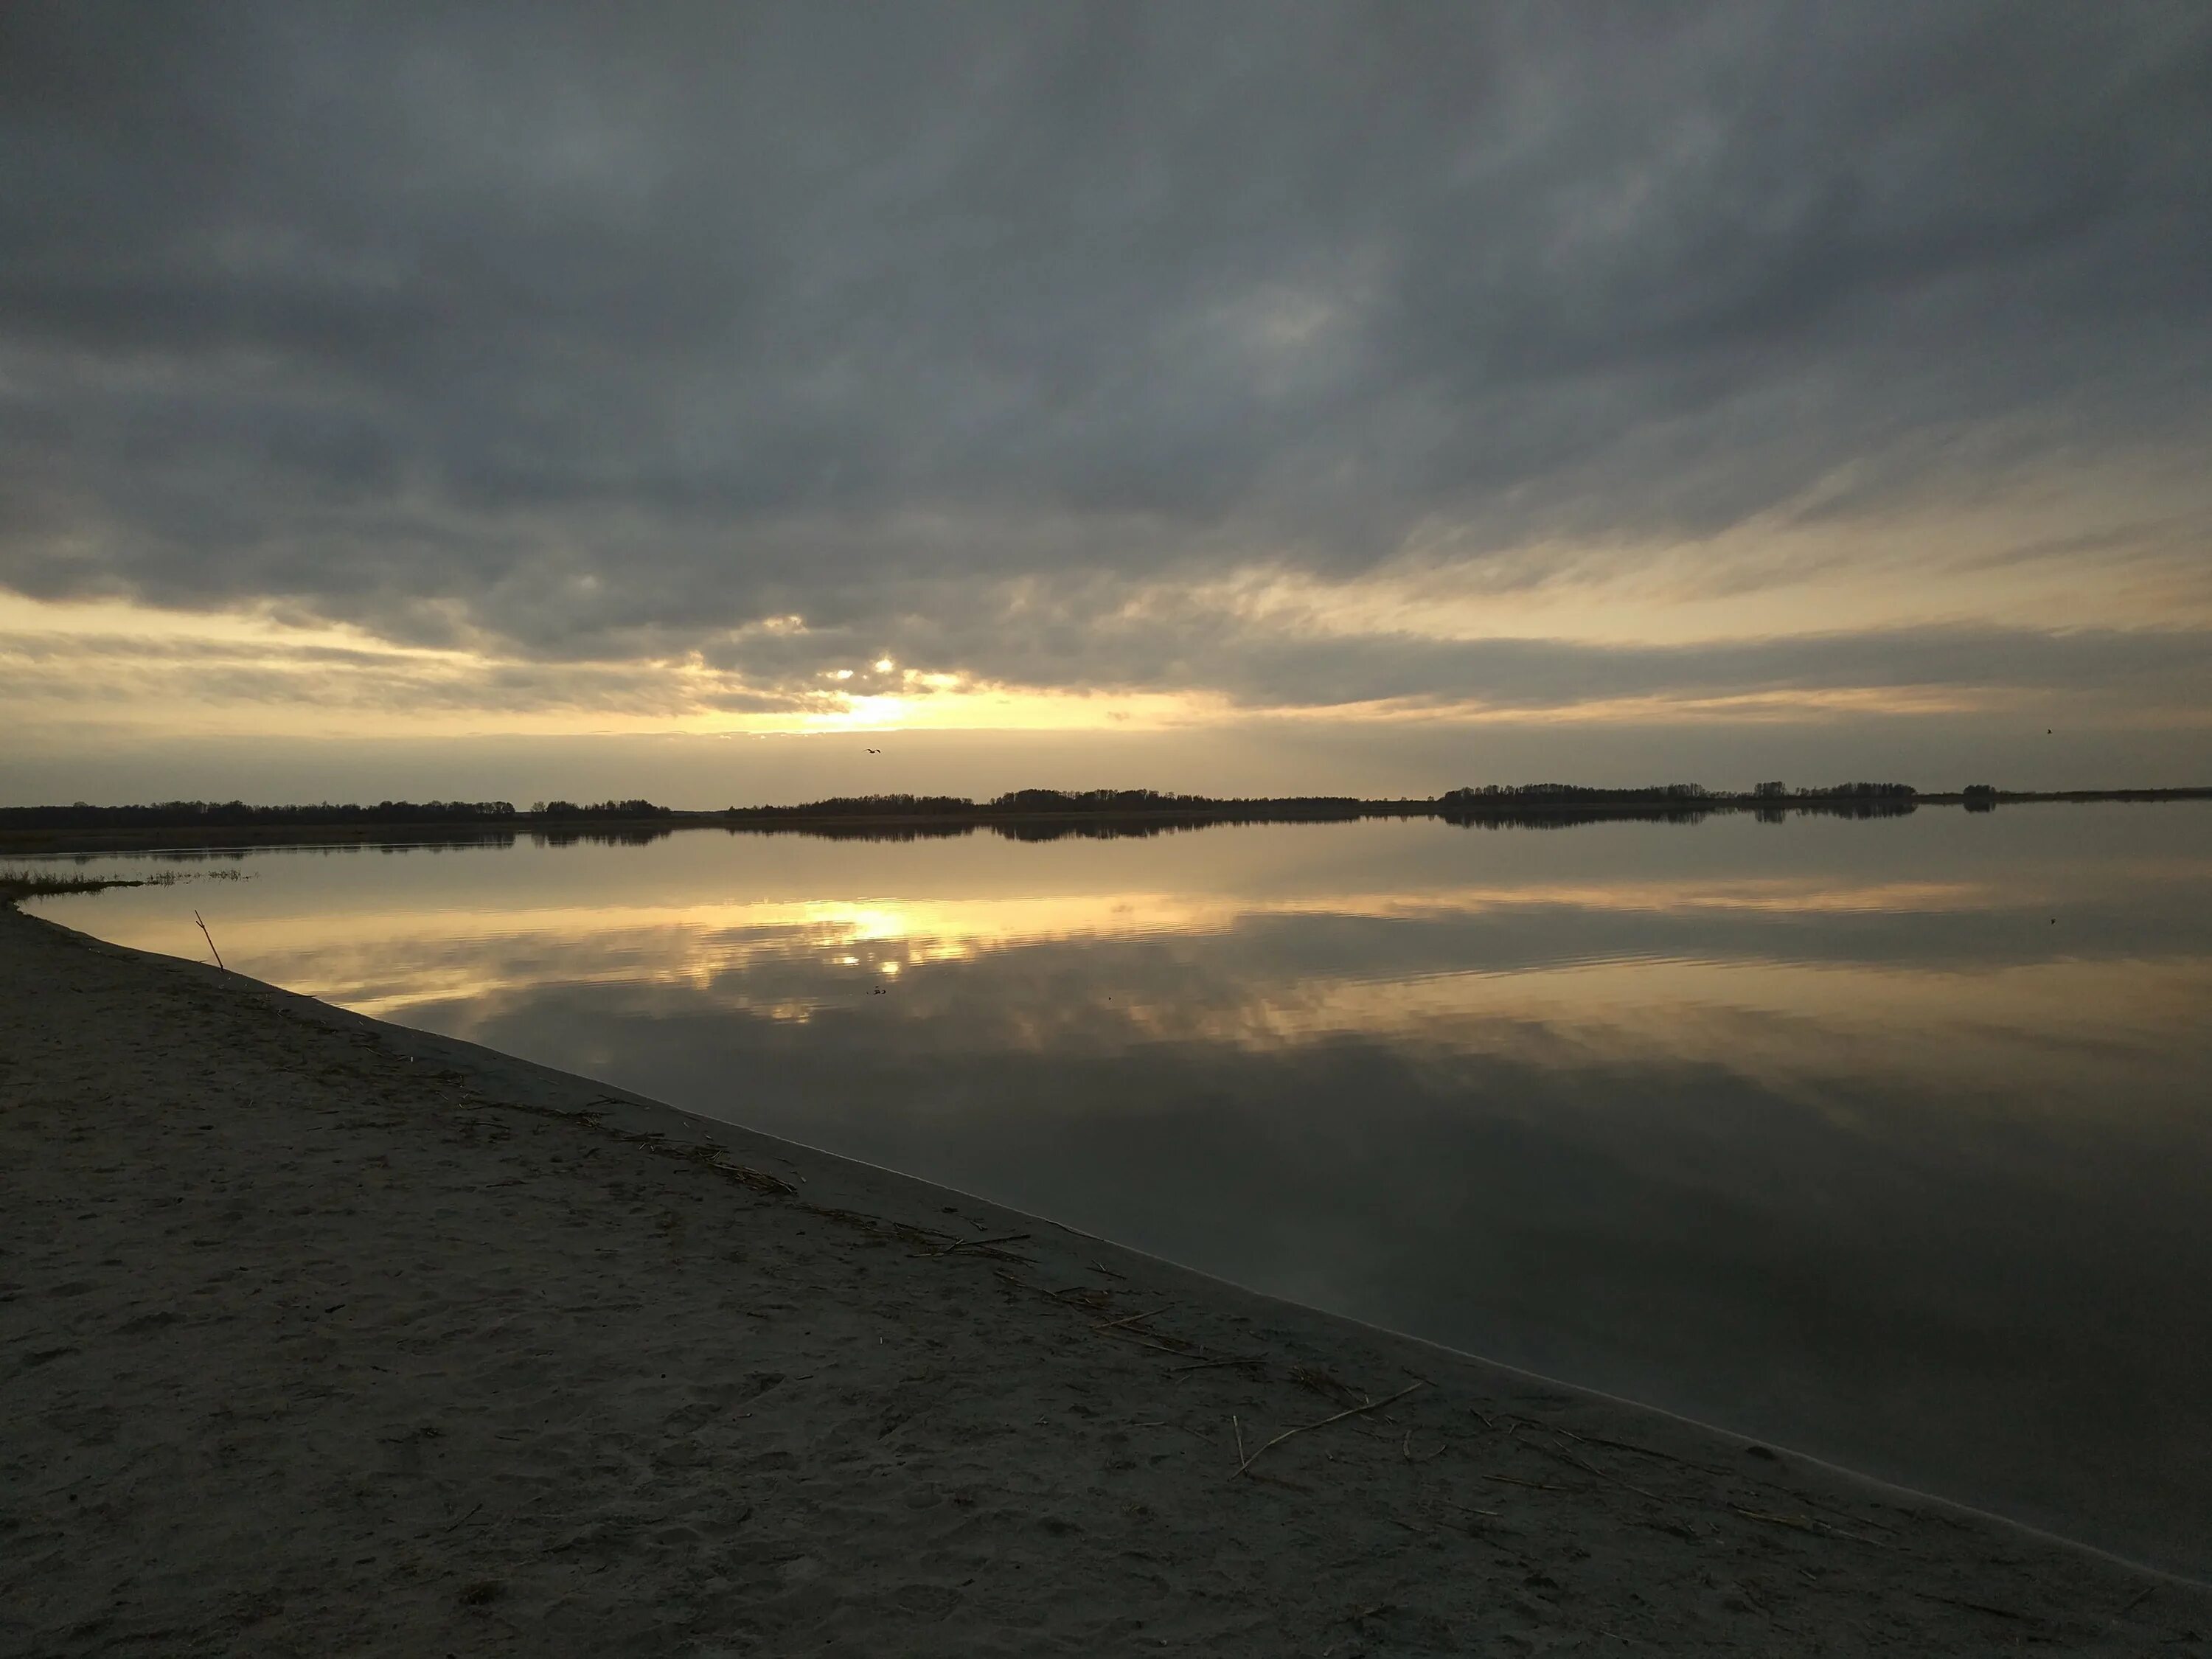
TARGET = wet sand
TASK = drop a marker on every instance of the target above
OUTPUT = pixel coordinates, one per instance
(317, 1335)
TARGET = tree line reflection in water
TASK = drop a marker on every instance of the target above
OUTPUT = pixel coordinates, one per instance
(1084, 827)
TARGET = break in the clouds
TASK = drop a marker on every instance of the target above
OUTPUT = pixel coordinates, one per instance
(691, 356)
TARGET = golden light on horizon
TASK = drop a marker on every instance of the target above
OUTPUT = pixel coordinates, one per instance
(263, 672)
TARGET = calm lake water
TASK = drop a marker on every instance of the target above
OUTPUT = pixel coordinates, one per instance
(1888, 1140)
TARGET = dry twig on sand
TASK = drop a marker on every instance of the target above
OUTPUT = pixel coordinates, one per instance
(1134, 1319)
(759, 1180)
(1588, 1468)
(1328, 1386)
(1174, 1345)
(1180, 1371)
(1979, 1607)
(1307, 1428)
(1806, 1523)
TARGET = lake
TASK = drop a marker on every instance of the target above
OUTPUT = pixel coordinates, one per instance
(1887, 1140)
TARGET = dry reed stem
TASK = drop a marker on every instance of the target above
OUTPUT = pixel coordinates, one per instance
(1307, 1428)
(210, 938)
(1134, 1319)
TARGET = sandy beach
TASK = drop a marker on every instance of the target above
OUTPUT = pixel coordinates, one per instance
(319, 1335)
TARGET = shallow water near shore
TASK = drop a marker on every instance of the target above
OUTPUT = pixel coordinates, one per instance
(1888, 1140)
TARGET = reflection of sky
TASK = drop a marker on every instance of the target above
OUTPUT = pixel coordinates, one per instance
(1882, 1139)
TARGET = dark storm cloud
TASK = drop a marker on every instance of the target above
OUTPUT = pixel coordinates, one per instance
(597, 331)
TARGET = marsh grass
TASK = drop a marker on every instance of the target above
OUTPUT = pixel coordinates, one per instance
(21, 883)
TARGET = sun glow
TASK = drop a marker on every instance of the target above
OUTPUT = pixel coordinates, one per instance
(125, 667)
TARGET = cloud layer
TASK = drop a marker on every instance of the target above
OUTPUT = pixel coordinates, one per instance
(999, 339)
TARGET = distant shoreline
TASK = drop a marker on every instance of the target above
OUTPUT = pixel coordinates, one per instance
(1499, 810)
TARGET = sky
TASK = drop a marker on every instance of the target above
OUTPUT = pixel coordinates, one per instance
(519, 400)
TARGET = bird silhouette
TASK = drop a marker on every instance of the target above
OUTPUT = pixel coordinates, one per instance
(875, 752)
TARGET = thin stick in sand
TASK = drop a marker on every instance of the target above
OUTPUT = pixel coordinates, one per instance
(1469, 1509)
(1134, 1319)
(1806, 1523)
(1182, 1352)
(210, 938)
(1307, 1428)
(1590, 1467)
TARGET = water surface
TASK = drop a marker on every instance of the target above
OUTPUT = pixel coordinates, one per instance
(1887, 1140)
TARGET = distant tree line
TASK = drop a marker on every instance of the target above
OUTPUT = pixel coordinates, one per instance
(606, 809)
(181, 814)
(1101, 800)
(1042, 803)
(208, 814)
(1475, 794)
(867, 806)
(1026, 814)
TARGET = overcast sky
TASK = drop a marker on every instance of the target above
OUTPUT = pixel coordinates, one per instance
(1368, 389)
